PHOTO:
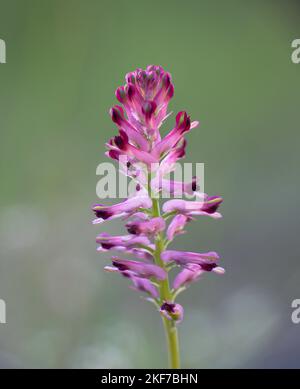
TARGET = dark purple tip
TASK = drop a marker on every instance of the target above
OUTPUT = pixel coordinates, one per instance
(103, 214)
(213, 207)
(121, 94)
(121, 141)
(117, 114)
(166, 80)
(130, 90)
(169, 307)
(120, 266)
(132, 228)
(114, 154)
(148, 108)
(208, 266)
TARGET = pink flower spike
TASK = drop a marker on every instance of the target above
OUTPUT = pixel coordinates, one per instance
(146, 159)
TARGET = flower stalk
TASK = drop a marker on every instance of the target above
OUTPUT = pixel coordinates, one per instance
(166, 295)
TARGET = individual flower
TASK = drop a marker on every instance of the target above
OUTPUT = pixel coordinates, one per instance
(144, 285)
(168, 163)
(127, 207)
(108, 242)
(138, 283)
(186, 257)
(121, 145)
(140, 269)
(192, 273)
(207, 207)
(183, 125)
(148, 227)
(175, 188)
(172, 311)
(177, 225)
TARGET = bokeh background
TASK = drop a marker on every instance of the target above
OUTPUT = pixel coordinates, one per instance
(232, 69)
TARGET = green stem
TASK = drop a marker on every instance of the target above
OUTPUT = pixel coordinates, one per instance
(166, 295)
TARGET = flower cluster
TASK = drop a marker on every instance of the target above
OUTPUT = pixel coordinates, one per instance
(147, 158)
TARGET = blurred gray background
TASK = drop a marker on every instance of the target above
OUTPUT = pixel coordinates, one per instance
(232, 69)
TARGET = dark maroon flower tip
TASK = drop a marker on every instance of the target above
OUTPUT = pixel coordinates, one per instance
(117, 114)
(121, 141)
(103, 214)
(148, 108)
(211, 206)
(170, 92)
(132, 229)
(130, 91)
(208, 266)
(106, 246)
(120, 266)
(114, 154)
(172, 311)
(121, 94)
(181, 149)
(183, 122)
(169, 307)
(130, 78)
(181, 118)
(166, 80)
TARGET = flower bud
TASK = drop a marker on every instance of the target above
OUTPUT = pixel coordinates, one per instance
(172, 311)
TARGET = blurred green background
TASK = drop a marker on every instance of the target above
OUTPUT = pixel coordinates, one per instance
(232, 70)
